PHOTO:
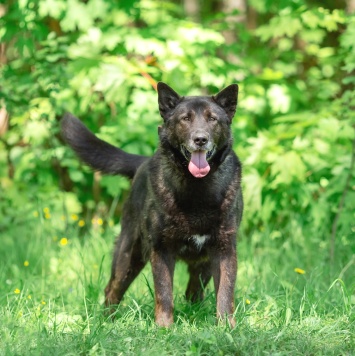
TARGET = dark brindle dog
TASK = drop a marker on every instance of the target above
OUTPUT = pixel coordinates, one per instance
(185, 203)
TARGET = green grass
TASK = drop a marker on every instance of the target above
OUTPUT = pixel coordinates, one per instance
(53, 305)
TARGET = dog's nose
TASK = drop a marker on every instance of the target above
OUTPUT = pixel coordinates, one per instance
(200, 140)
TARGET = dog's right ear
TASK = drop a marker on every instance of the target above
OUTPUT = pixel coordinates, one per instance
(167, 99)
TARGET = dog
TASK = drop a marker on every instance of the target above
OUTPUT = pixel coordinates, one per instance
(185, 201)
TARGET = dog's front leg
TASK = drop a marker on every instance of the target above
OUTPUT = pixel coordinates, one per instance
(163, 264)
(224, 262)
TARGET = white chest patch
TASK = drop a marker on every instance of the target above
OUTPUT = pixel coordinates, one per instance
(199, 240)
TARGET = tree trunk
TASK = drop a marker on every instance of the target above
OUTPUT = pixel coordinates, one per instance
(350, 6)
(4, 119)
(2, 45)
(228, 7)
(192, 9)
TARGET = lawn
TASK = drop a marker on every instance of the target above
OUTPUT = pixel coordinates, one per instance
(294, 131)
(289, 299)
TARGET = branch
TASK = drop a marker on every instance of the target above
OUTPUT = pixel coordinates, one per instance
(341, 204)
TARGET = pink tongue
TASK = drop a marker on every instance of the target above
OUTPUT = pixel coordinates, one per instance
(198, 165)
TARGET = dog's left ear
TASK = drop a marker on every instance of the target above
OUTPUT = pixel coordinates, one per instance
(227, 99)
(167, 99)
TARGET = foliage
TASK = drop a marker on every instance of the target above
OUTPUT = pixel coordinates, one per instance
(294, 132)
(299, 161)
(101, 65)
(102, 70)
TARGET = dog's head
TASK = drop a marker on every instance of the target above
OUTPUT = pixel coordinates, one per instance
(198, 127)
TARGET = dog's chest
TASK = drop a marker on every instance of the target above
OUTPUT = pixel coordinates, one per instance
(193, 220)
(196, 227)
(193, 243)
(199, 240)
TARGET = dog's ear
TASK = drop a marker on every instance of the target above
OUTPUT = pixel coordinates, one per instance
(167, 99)
(227, 99)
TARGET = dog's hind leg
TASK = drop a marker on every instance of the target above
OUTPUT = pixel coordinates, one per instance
(200, 275)
(128, 261)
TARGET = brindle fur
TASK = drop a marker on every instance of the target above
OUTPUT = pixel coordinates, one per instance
(170, 214)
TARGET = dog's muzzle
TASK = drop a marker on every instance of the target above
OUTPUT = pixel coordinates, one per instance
(187, 154)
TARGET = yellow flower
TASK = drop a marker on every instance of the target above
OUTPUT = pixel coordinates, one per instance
(47, 216)
(26, 263)
(17, 291)
(63, 241)
(46, 210)
(74, 217)
(299, 270)
(43, 302)
(35, 214)
(247, 301)
(81, 223)
(29, 296)
(97, 221)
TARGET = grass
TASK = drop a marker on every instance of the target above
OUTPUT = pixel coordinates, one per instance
(53, 272)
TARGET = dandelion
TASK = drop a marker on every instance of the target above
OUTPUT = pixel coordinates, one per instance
(47, 216)
(74, 217)
(299, 270)
(81, 223)
(247, 301)
(63, 241)
(29, 296)
(26, 263)
(20, 314)
(46, 210)
(97, 221)
(43, 302)
(17, 291)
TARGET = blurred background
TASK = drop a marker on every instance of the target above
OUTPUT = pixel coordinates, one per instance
(101, 59)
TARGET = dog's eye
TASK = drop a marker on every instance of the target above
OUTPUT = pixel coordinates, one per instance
(186, 118)
(212, 118)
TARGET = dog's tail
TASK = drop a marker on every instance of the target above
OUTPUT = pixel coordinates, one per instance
(98, 154)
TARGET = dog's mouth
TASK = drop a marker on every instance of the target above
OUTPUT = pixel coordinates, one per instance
(198, 161)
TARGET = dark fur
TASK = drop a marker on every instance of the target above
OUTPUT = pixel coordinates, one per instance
(169, 210)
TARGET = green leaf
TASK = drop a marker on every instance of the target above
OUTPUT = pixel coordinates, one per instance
(279, 99)
(51, 8)
(77, 16)
(287, 168)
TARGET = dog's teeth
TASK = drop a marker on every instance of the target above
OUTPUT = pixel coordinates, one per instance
(210, 153)
(185, 152)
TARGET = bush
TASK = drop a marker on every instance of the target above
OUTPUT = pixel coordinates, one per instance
(101, 60)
